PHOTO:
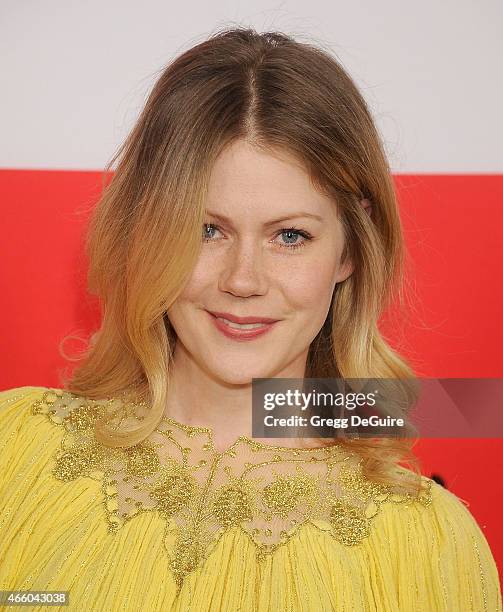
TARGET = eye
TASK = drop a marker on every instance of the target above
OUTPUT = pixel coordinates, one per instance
(291, 233)
(207, 228)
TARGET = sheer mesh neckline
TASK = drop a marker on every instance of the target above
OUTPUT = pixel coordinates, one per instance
(210, 433)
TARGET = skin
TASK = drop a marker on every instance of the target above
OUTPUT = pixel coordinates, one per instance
(243, 269)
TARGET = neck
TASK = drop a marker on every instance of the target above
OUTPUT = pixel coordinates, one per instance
(197, 398)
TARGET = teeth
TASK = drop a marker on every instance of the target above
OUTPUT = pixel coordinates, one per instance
(241, 326)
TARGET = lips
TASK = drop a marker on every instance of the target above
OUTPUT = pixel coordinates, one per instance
(242, 320)
(253, 329)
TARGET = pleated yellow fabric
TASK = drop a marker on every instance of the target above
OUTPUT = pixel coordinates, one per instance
(57, 531)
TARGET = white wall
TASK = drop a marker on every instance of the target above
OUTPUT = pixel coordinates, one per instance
(76, 74)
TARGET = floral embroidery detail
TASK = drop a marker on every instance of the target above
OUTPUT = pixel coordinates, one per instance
(173, 490)
(284, 494)
(268, 492)
(233, 505)
(349, 523)
(79, 461)
(188, 553)
(142, 460)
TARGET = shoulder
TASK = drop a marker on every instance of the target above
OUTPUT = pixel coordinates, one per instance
(457, 533)
(462, 551)
(15, 403)
(452, 520)
(437, 514)
(35, 438)
(442, 542)
(10, 396)
(22, 424)
(37, 510)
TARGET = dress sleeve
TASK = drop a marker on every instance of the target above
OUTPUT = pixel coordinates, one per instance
(41, 519)
(463, 554)
(15, 417)
(25, 443)
(441, 559)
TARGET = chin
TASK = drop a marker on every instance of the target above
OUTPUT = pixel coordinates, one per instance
(236, 375)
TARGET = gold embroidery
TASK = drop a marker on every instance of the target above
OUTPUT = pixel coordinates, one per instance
(268, 492)
(284, 494)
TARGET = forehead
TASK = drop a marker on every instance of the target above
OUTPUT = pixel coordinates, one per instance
(247, 178)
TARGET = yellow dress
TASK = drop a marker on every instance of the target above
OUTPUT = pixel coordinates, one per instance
(172, 525)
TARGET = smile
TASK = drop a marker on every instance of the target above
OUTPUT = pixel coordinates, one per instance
(240, 331)
(241, 325)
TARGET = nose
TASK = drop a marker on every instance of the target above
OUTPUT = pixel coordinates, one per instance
(243, 272)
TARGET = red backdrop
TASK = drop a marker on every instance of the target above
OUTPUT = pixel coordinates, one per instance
(452, 326)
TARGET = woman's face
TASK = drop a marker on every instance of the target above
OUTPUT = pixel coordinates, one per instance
(249, 266)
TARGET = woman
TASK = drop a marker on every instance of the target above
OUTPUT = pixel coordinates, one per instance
(264, 145)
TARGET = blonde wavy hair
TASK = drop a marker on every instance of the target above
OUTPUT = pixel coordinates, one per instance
(146, 230)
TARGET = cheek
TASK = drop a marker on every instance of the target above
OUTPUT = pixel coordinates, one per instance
(178, 312)
(198, 282)
(310, 288)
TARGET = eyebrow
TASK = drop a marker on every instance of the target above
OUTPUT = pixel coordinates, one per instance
(298, 215)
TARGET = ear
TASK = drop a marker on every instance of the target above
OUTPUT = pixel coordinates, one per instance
(367, 206)
(344, 271)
